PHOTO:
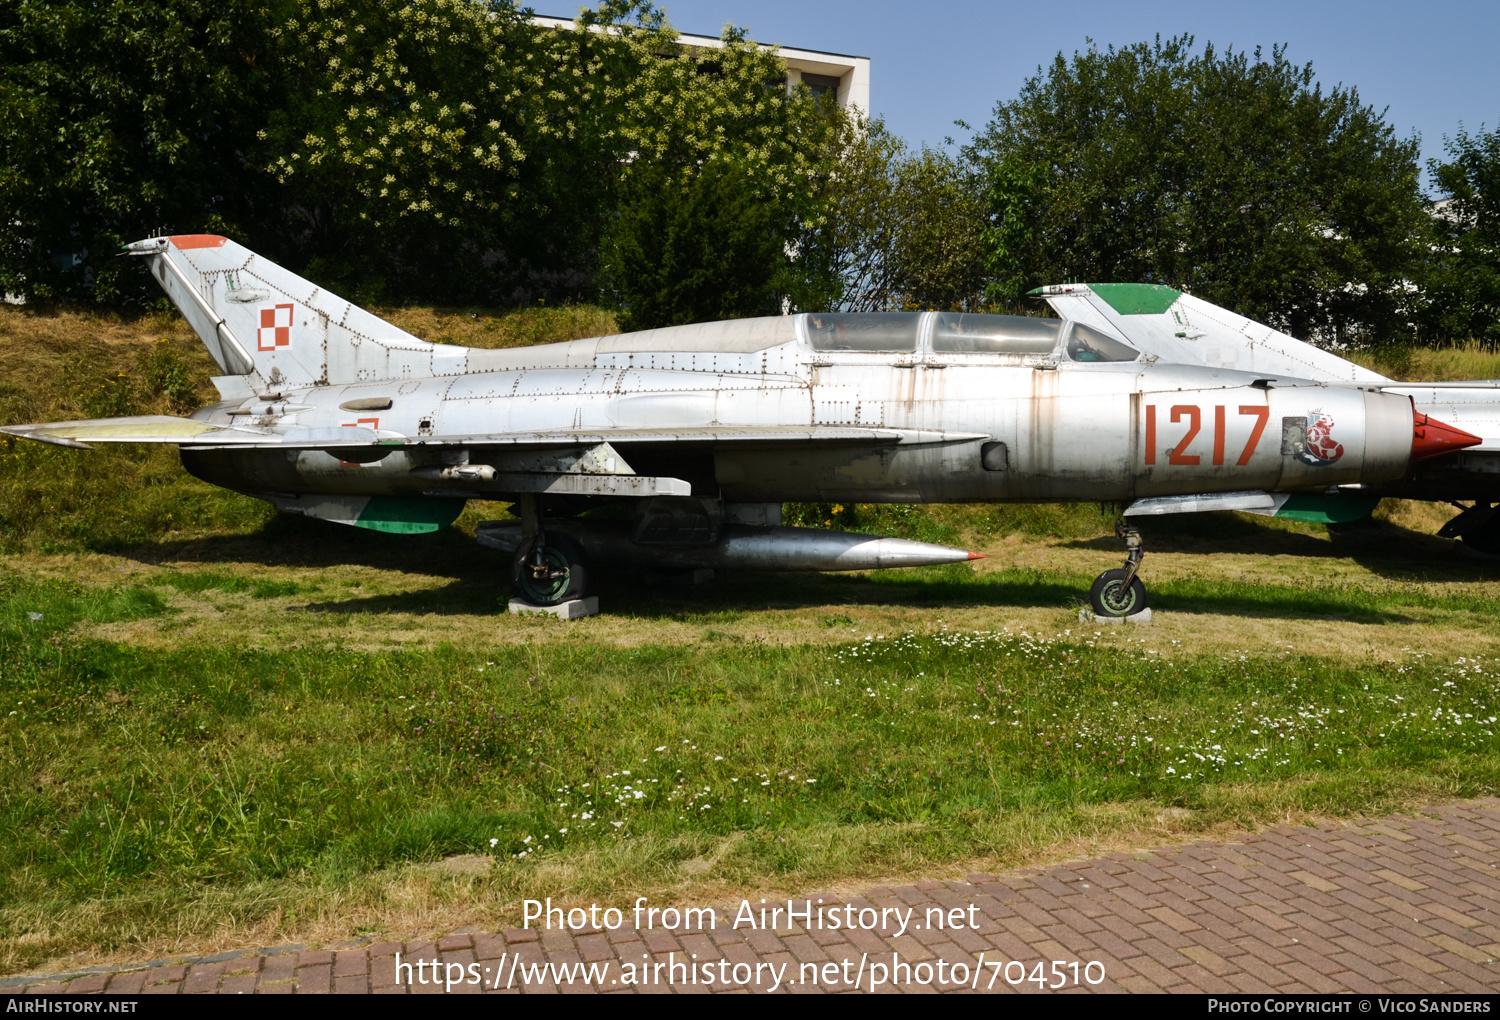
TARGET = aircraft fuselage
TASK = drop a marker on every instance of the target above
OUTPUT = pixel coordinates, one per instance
(964, 426)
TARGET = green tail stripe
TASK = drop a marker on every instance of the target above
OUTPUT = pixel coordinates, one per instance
(1136, 298)
(402, 516)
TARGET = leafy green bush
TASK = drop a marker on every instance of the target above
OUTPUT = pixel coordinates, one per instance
(169, 377)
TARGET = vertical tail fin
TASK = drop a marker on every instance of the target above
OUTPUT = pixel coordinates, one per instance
(278, 330)
(1181, 328)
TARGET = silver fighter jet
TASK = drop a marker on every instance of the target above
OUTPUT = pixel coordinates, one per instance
(1138, 395)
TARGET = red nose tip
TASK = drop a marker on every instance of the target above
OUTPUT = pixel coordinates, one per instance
(1431, 438)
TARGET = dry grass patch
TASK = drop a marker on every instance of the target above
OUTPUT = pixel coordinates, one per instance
(1468, 359)
(482, 327)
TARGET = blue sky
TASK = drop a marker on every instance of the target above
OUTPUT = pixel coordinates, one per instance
(1432, 64)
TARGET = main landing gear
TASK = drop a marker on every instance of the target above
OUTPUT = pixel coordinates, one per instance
(1478, 527)
(1120, 592)
(547, 569)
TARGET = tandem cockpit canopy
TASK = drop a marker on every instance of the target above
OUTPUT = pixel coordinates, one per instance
(994, 334)
(884, 332)
(962, 333)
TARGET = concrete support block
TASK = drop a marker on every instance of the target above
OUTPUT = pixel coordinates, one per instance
(1089, 616)
(574, 609)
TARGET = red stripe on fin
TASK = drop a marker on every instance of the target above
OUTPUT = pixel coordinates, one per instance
(186, 241)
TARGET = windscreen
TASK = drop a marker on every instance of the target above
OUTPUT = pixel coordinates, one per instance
(880, 331)
(994, 334)
(1088, 344)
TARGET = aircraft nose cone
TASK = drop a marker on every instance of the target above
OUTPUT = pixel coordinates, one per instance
(1431, 438)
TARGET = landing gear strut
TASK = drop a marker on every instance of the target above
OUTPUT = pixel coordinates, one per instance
(547, 569)
(1478, 527)
(1120, 592)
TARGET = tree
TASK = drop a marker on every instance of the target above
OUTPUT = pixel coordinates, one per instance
(695, 248)
(938, 249)
(856, 226)
(1462, 292)
(458, 150)
(900, 229)
(450, 150)
(437, 150)
(120, 117)
(724, 167)
(1233, 176)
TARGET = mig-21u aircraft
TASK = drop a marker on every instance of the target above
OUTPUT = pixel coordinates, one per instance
(1136, 394)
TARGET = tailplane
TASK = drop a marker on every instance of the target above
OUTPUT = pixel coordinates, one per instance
(268, 329)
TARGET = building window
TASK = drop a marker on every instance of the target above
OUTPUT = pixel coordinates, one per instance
(821, 84)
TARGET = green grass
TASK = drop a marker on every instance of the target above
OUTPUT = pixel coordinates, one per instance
(54, 500)
(137, 782)
(31, 608)
(1463, 359)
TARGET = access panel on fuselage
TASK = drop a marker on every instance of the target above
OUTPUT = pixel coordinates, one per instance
(1075, 438)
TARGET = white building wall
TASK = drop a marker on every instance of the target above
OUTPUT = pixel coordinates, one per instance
(852, 72)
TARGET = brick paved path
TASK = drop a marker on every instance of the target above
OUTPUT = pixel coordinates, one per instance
(1407, 904)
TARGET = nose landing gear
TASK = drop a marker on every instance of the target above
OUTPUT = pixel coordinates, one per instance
(1120, 592)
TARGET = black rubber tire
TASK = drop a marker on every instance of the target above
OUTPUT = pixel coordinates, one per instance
(568, 572)
(1109, 597)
